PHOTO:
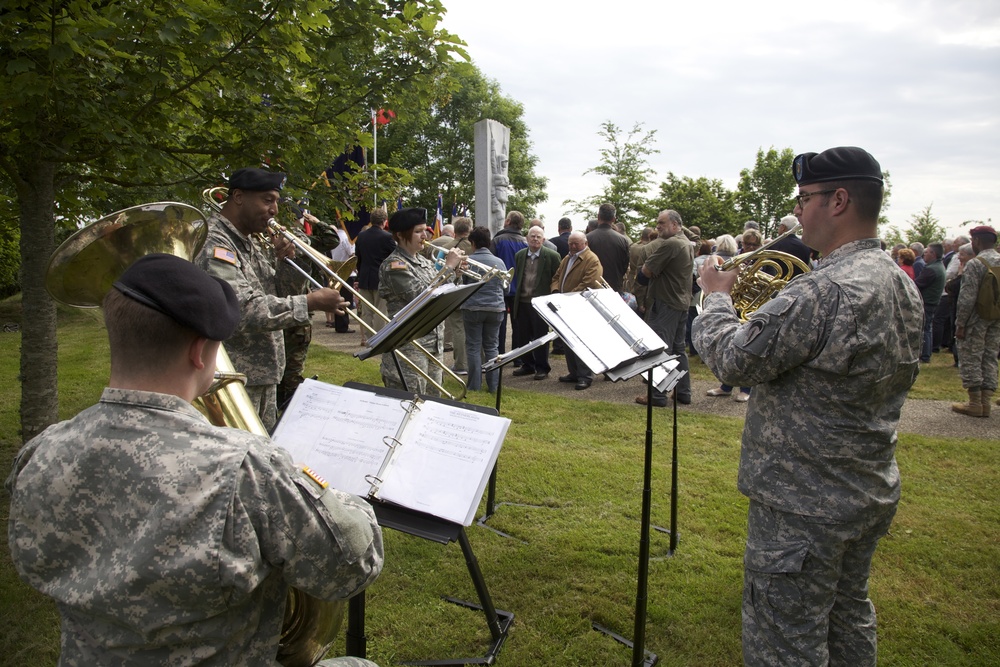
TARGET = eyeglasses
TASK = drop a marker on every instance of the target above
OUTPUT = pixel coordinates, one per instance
(803, 196)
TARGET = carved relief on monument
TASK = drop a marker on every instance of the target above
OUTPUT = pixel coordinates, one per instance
(498, 155)
(492, 182)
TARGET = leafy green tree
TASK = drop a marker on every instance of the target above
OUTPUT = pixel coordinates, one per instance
(9, 246)
(99, 97)
(765, 192)
(924, 228)
(886, 194)
(625, 163)
(702, 202)
(434, 143)
(892, 236)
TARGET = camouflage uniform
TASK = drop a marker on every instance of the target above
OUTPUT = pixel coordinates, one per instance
(168, 541)
(977, 353)
(257, 348)
(831, 359)
(296, 338)
(401, 278)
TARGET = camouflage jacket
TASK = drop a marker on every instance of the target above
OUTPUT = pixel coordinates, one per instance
(968, 294)
(257, 348)
(402, 277)
(830, 359)
(168, 541)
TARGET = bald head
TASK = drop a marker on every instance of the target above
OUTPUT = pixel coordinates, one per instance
(577, 242)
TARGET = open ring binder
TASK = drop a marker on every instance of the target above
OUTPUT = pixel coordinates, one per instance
(429, 456)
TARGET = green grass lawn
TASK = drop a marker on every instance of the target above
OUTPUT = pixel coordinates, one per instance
(935, 580)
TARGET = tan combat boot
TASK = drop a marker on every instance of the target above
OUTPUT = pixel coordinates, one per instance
(987, 396)
(975, 406)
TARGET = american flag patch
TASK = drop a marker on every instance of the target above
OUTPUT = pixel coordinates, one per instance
(225, 254)
(311, 474)
(397, 264)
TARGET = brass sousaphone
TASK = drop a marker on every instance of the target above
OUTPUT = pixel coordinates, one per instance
(80, 273)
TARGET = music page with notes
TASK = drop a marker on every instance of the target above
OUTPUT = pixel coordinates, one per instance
(427, 456)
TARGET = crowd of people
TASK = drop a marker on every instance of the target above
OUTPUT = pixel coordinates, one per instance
(167, 540)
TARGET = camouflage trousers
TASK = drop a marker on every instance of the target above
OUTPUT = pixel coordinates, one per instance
(368, 315)
(297, 341)
(434, 343)
(263, 397)
(805, 589)
(347, 661)
(977, 354)
(455, 325)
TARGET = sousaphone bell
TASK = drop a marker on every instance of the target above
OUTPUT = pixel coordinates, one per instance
(80, 273)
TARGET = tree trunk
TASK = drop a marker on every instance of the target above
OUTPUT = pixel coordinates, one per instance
(39, 346)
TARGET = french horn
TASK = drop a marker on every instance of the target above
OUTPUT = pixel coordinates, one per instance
(762, 274)
(80, 273)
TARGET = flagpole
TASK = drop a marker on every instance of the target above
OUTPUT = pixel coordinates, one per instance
(375, 160)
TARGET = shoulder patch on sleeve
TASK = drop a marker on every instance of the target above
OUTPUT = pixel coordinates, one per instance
(398, 264)
(758, 335)
(224, 254)
(753, 331)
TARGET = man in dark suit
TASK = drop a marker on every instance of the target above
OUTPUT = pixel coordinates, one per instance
(561, 242)
(579, 270)
(610, 247)
(372, 246)
(534, 268)
(791, 244)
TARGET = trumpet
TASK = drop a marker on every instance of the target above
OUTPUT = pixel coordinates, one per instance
(469, 267)
(338, 279)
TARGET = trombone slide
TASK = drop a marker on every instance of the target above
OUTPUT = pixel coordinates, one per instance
(326, 265)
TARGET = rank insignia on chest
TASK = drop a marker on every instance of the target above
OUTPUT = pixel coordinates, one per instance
(311, 474)
(398, 264)
(225, 254)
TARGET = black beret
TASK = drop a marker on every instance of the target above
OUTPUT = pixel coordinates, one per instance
(184, 293)
(407, 218)
(845, 163)
(260, 180)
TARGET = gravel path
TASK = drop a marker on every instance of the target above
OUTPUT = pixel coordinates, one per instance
(931, 418)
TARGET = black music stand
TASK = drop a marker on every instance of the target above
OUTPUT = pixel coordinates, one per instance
(436, 529)
(498, 363)
(577, 325)
(416, 319)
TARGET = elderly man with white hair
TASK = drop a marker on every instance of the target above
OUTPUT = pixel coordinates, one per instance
(791, 244)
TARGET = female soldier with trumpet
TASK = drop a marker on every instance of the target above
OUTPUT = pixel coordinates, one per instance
(402, 277)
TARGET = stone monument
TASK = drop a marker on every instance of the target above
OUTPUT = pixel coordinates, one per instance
(492, 150)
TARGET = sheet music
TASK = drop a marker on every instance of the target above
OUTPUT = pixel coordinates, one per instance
(409, 309)
(417, 318)
(600, 344)
(339, 432)
(440, 465)
(636, 333)
(666, 375)
(435, 468)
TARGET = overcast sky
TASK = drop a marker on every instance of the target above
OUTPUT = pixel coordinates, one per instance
(917, 84)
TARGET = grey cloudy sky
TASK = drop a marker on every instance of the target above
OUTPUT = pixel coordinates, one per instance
(915, 83)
